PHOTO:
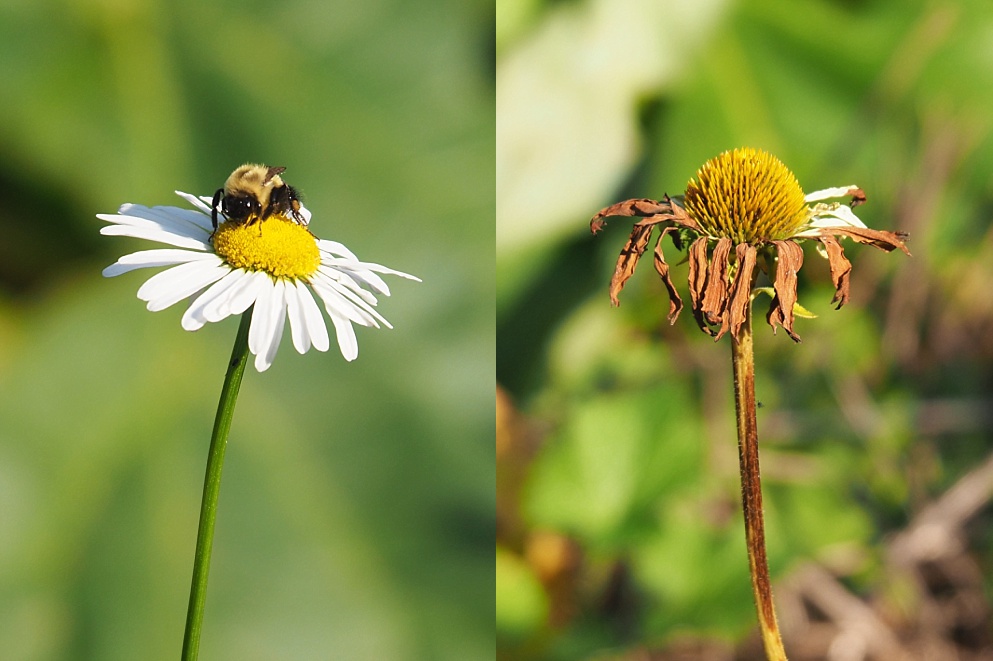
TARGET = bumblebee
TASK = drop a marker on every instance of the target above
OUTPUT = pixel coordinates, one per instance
(253, 193)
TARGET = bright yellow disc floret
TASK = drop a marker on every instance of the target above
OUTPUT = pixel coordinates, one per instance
(278, 246)
(747, 195)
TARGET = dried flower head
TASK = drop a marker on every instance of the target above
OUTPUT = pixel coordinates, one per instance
(744, 210)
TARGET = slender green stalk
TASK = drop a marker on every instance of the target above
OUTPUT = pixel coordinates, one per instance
(751, 487)
(212, 487)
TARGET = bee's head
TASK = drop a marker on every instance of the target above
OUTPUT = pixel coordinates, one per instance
(248, 189)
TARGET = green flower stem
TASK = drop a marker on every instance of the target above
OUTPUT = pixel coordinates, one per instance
(751, 487)
(212, 487)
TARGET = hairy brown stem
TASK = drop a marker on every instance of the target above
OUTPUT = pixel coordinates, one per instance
(751, 487)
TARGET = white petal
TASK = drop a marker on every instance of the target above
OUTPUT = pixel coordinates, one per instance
(260, 363)
(338, 255)
(220, 307)
(345, 279)
(338, 298)
(201, 203)
(298, 324)
(276, 320)
(336, 248)
(365, 272)
(830, 193)
(379, 268)
(173, 285)
(184, 219)
(267, 324)
(156, 234)
(184, 222)
(158, 257)
(838, 216)
(337, 259)
(347, 343)
(258, 333)
(315, 322)
(359, 277)
(345, 302)
(244, 294)
(195, 316)
(363, 300)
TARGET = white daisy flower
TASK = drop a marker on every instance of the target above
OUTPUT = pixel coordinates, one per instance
(274, 264)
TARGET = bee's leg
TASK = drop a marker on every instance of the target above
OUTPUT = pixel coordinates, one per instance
(256, 220)
(295, 212)
(213, 208)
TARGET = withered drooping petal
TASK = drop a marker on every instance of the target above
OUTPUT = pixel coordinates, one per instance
(633, 207)
(680, 216)
(858, 197)
(881, 239)
(715, 296)
(790, 259)
(697, 256)
(675, 303)
(628, 259)
(841, 269)
(741, 297)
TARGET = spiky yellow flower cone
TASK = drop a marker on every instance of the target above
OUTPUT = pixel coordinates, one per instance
(747, 196)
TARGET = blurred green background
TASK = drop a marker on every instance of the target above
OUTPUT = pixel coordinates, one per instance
(356, 512)
(619, 532)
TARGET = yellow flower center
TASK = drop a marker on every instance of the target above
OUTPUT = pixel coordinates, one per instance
(747, 195)
(277, 245)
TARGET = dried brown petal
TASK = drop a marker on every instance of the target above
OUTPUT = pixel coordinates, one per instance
(741, 297)
(633, 207)
(858, 197)
(628, 259)
(675, 303)
(715, 297)
(841, 269)
(697, 257)
(790, 259)
(879, 238)
(680, 216)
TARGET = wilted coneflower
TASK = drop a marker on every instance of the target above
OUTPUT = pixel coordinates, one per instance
(744, 213)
